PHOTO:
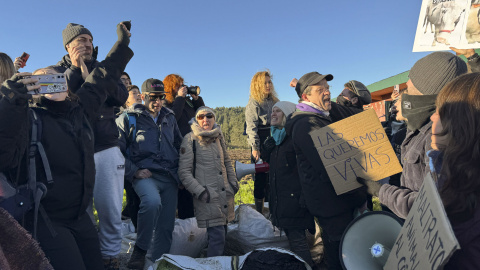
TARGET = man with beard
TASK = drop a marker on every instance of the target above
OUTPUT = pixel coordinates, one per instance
(316, 111)
(151, 147)
(109, 161)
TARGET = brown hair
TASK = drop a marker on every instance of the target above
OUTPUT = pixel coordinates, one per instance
(7, 69)
(171, 83)
(257, 87)
(458, 105)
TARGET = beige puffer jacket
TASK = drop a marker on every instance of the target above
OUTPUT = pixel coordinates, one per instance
(214, 172)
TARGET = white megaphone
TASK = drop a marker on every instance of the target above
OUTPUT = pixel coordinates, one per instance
(243, 169)
(368, 240)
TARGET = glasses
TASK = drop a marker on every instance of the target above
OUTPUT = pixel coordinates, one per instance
(201, 116)
(156, 97)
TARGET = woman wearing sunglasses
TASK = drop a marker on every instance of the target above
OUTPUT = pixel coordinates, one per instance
(455, 160)
(206, 172)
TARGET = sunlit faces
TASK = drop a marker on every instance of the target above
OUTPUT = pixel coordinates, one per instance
(206, 120)
(277, 117)
(268, 85)
(153, 102)
(320, 95)
(86, 41)
(125, 80)
(438, 142)
(134, 96)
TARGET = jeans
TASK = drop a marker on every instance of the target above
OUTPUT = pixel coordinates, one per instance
(216, 240)
(158, 202)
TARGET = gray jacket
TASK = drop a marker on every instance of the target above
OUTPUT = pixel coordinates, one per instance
(156, 146)
(257, 116)
(415, 168)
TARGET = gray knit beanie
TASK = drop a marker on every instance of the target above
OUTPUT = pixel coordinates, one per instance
(287, 108)
(205, 109)
(431, 73)
(72, 31)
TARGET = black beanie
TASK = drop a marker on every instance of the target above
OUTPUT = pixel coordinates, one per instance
(431, 73)
(72, 31)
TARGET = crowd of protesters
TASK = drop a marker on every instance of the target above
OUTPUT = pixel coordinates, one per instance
(162, 145)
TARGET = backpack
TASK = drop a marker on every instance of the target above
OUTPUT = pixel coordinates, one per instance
(19, 199)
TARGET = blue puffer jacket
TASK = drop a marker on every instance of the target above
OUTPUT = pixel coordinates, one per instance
(156, 146)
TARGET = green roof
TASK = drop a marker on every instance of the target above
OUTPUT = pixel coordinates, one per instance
(388, 82)
(398, 79)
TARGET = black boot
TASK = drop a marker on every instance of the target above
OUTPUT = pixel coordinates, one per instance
(137, 260)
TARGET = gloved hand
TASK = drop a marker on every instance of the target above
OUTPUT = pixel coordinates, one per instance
(16, 88)
(373, 187)
(267, 148)
(204, 196)
(123, 33)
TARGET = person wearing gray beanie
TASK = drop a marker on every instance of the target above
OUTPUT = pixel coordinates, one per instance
(287, 108)
(72, 31)
(427, 77)
(109, 161)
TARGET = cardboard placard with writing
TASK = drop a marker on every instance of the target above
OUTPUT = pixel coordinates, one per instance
(355, 147)
(426, 240)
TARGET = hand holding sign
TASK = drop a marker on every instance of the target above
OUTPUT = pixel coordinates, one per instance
(355, 147)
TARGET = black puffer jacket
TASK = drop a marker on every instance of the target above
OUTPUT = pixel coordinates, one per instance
(66, 136)
(287, 203)
(184, 109)
(106, 132)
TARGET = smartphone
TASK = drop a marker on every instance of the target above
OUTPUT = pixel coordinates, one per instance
(24, 58)
(50, 84)
(128, 24)
(396, 89)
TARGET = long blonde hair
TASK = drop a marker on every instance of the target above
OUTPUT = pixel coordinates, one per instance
(257, 87)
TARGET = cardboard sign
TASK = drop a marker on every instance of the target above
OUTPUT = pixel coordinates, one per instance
(447, 23)
(355, 147)
(426, 240)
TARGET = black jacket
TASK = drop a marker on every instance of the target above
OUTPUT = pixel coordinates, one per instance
(320, 196)
(66, 135)
(184, 112)
(106, 132)
(287, 203)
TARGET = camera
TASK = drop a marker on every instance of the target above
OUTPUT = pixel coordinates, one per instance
(192, 90)
(49, 84)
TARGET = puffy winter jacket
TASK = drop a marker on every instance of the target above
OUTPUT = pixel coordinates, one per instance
(213, 172)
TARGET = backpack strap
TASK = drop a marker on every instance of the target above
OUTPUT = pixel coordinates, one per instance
(38, 189)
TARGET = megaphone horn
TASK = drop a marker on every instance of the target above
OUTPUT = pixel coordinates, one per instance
(242, 169)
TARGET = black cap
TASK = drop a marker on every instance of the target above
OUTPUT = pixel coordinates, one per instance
(310, 79)
(153, 86)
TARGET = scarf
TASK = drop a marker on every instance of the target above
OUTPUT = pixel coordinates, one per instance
(307, 106)
(205, 137)
(418, 109)
(278, 134)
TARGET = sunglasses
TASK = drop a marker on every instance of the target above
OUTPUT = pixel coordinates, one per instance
(201, 116)
(156, 97)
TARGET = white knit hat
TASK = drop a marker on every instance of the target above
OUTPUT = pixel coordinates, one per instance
(287, 107)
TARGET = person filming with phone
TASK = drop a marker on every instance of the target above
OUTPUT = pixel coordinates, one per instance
(63, 229)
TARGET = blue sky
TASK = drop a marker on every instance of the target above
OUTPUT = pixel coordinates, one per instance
(219, 45)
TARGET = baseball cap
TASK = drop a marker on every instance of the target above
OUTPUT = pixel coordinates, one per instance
(153, 86)
(310, 79)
